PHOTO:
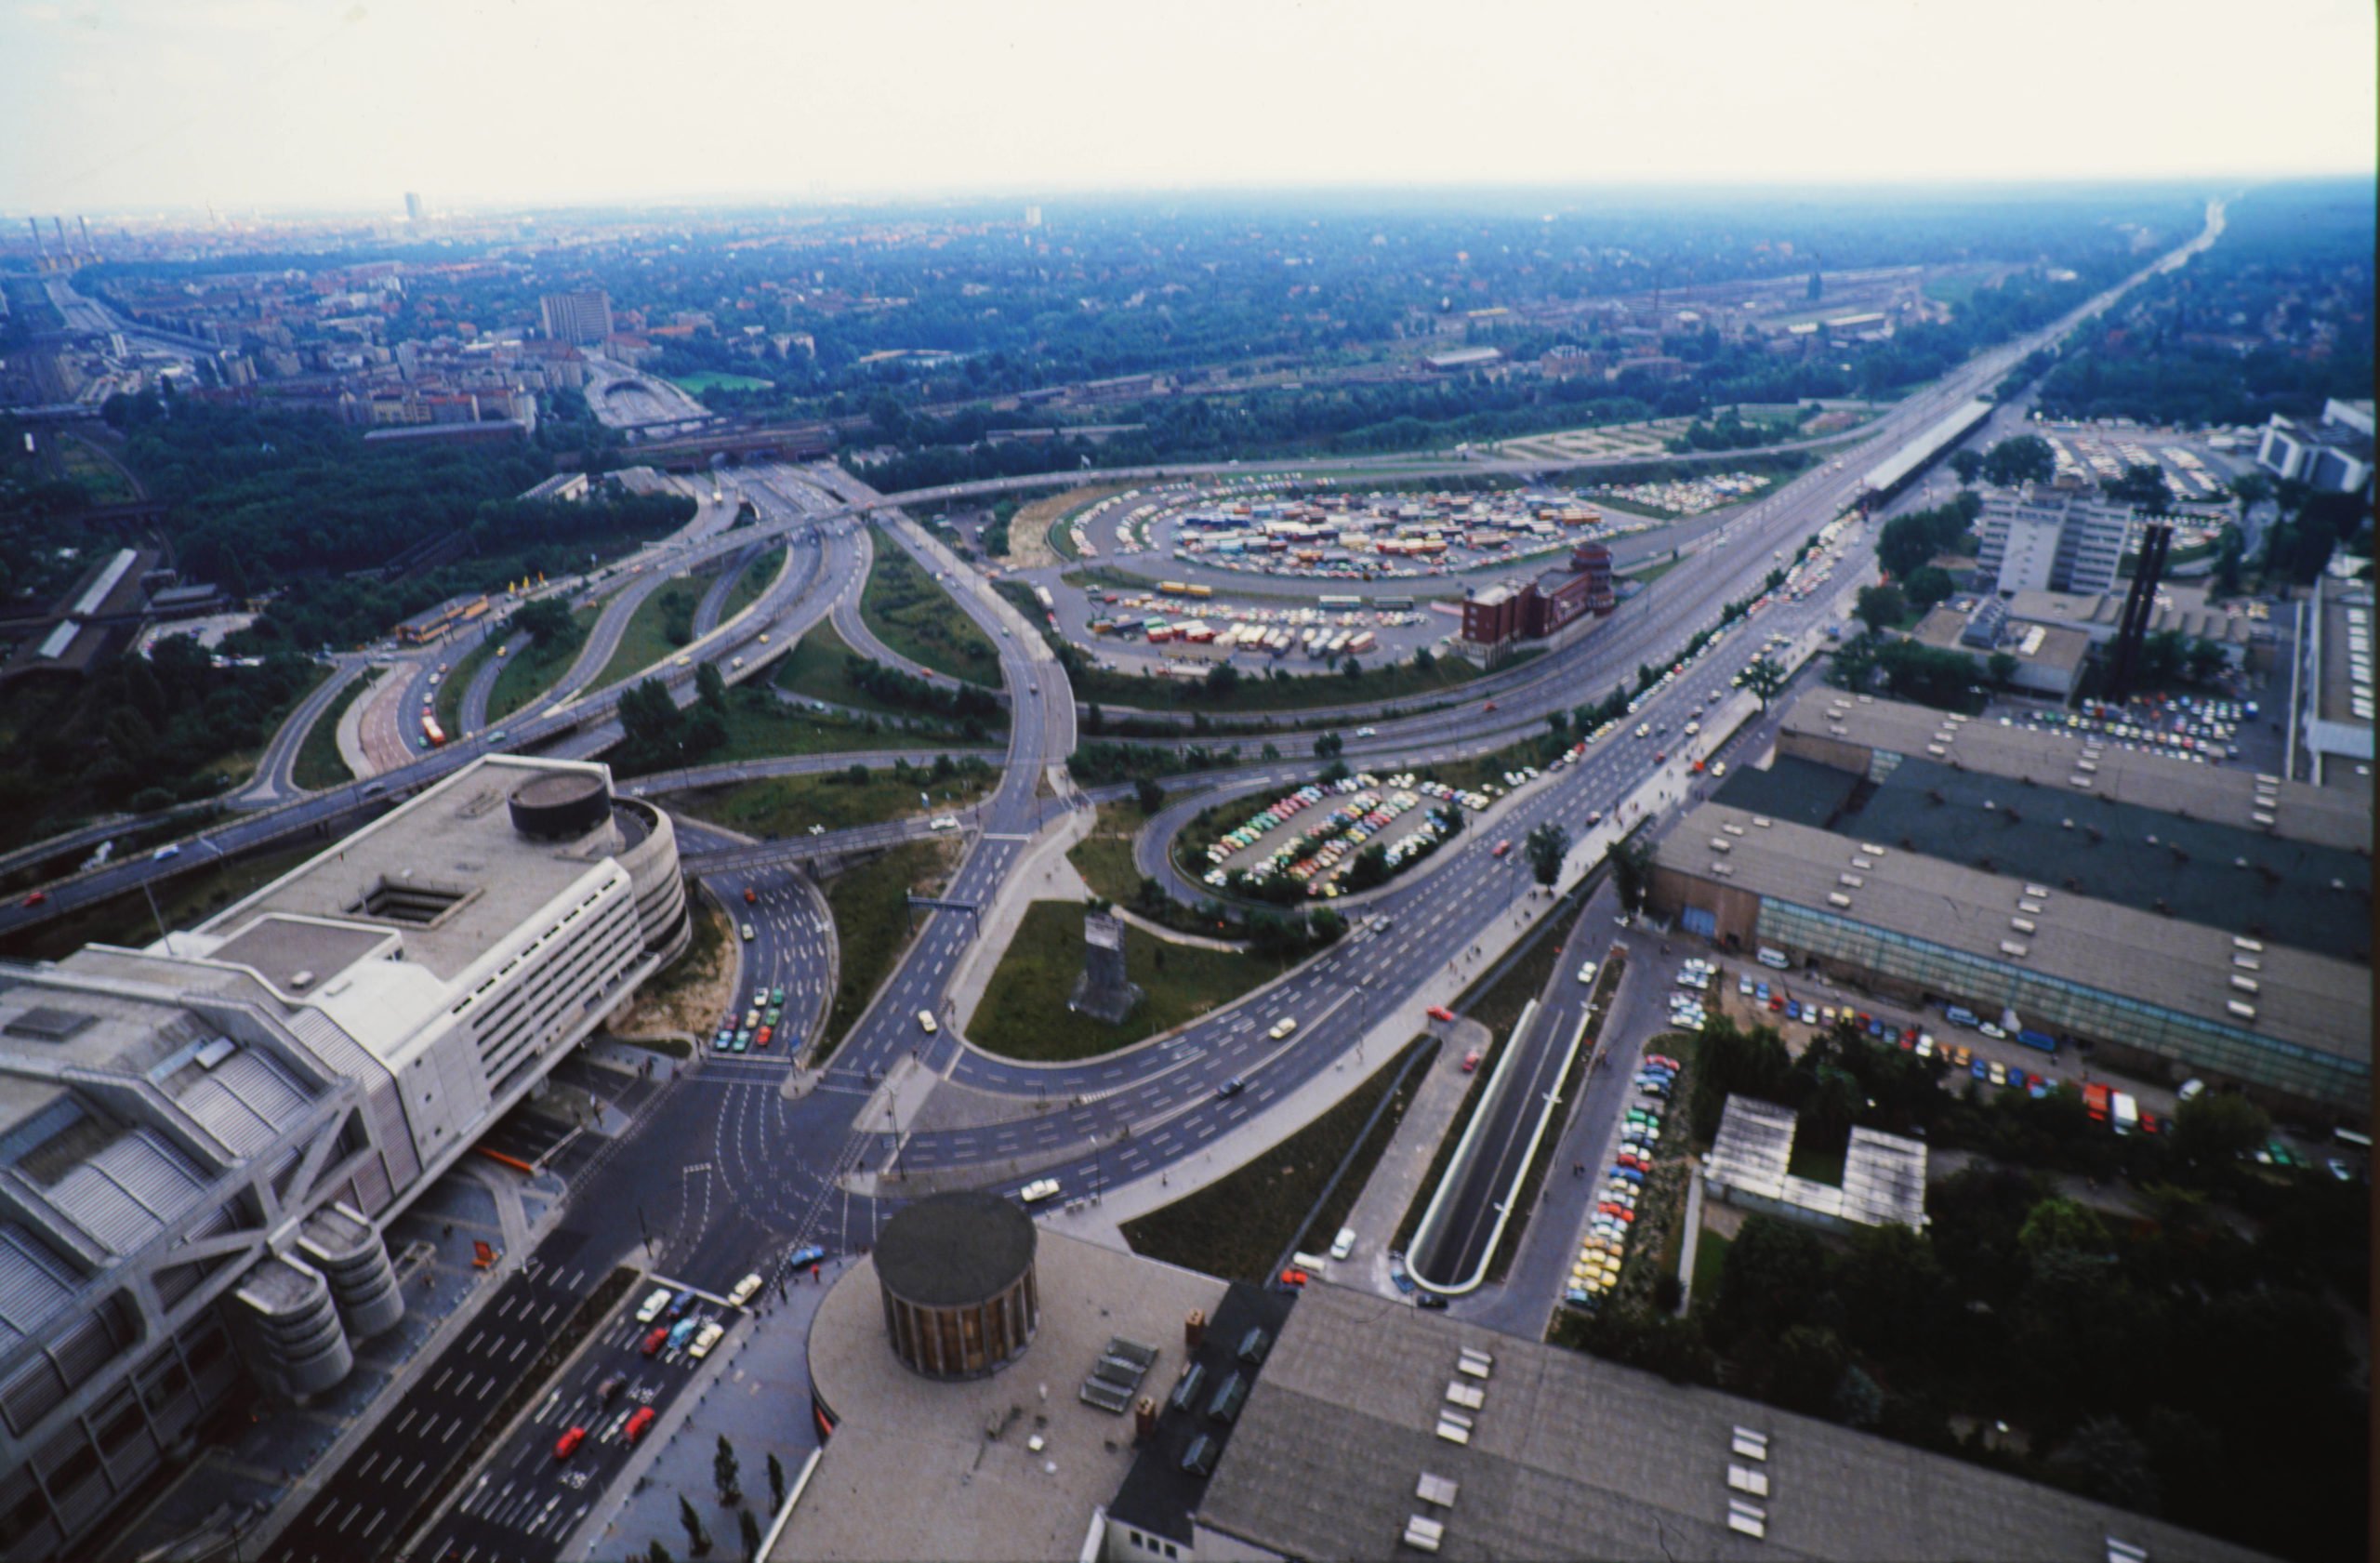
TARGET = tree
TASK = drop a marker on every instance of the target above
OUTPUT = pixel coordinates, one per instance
(2062, 1224)
(2103, 1458)
(656, 1553)
(1764, 680)
(2001, 667)
(1817, 288)
(1328, 745)
(776, 1481)
(1352, 667)
(724, 1472)
(1150, 793)
(855, 774)
(697, 1539)
(1880, 607)
(2230, 550)
(1632, 872)
(1966, 464)
(749, 1529)
(2220, 1126)
(2143, 487)
(547, 619)
(1929, 586)
(710, 687)
(1547, 846)
(2025, 457)
(1810, 1363)
(1222, 679)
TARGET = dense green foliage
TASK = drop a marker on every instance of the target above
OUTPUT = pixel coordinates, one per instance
(1909, 542)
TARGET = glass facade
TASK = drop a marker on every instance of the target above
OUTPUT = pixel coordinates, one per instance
(968, 1339)
(2059, 1004)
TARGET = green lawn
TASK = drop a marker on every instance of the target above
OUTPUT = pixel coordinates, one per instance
(663, 624)
(1645, 575)
(318, 764)
(1710, 1262)
(909, 611)
(1024, 1013)
(760, 725)
(815, 668)
(777, 806)
(1103, 858)
(1238, 1225)
(871, 924)
(710, 379)
(531, 672)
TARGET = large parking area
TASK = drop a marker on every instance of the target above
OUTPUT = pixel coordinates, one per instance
(1315, 834)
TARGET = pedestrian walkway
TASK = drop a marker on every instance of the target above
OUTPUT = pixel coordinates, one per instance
(754, 1391)
(1396, 1177)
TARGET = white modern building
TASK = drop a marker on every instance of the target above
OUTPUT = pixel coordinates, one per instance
(2037, 538)
(201, 1140)
(582, 318)
(2334, 456)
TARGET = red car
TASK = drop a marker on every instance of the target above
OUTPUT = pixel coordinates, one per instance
(36, 899)
(639, 1420)
(1471, 1061)
(1663, 1060)
(1501, 848)
(1776, 1002)
(656, 1340)
(1294, 1278)
(1440, 1012)
(761, 1038)
(1661, 756)
(1489, 707)
(750, 897)
(567, 1445)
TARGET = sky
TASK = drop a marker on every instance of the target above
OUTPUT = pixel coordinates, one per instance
(121, 107)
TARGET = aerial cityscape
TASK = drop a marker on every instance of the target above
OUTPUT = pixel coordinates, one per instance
(1332, 782)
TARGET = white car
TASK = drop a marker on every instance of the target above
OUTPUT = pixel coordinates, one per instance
(1282, 1027)
(746, 1290)
(1587, 973)
(1367, 732)
(1344, 1244)
(946, 821)
(650, 1309)
(925, 1022)
(706, 1337)
(1037, 1191)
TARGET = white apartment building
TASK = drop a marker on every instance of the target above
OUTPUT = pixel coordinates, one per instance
(2037, 538)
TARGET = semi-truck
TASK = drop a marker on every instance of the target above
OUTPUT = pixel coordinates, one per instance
(2127, 1113)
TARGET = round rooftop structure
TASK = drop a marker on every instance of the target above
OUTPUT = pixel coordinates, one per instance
(956, 1275)
(561, 805)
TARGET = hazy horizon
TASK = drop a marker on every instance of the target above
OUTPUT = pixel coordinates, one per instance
(290, 107)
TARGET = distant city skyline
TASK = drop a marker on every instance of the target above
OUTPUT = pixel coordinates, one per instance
(282, 104)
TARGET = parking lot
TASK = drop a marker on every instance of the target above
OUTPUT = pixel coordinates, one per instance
(1315, 834)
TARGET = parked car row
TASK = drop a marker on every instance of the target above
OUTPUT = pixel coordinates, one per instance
(1605, 1248)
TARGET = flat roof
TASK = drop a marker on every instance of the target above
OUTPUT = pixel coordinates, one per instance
(454, 840)
(2312, 1001)
(2059, 648)
(1571, 1456)
(913, 1471)
(1922, 449)
(2343, 684)
(2226, 793)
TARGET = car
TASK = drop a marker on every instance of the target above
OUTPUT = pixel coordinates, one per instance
(1660, 756)
(37, 898)
(1501, 848)
(1430, 1300)
(639, 1422)
(1367, 732)
(761, 1038)
(652, 1305)
(1471, 1061)
(1037, 1191)
(654, 1340)
(609, 1390)
(1994, 1032)
(1489, 707)
(746, 1290)
(751, 896)
(1958, 1055)
(1995, 1072)
(1980, 1069)
(1644, 729)
(2339, 1169)
(171, 849)
(1282, 1027)
(1294, 1277)
(1925, 1047)
(705, 1338)
(1344, 1244)
(748, 933)
(2017, 1077)
(1718, 767)
(1440, 1013)
(567, 1445)
(926, 1023)
(1231, 1087)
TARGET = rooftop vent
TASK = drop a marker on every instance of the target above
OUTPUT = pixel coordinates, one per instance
(398, 901)
(1423, 1534)
(45, 1023)
(1750, 1444)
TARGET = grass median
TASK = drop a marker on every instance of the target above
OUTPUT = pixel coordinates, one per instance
(1239, 1224)
(662, 625)
(780, 806)
(319, 764)
(532, 671)
(1024, 1011)
(1104, 858)
(910, 612)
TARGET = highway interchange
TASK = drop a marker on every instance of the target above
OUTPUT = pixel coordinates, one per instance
(739, 1160)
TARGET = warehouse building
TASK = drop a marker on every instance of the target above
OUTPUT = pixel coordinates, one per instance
(2336, 720)
(204, 1139)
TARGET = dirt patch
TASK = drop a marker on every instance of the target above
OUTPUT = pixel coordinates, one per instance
(688, 997)
(1028, 534)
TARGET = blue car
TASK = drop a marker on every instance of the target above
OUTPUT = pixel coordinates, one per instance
(1980, 1069)
(809, 1254)
(2017, 1077)
(1630, 1174)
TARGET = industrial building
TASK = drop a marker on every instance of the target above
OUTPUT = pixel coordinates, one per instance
(2333, 454)
(1163, 1416)
(1538, 609)
(2046, 662)
(204, 1138)
(1750, 1163)
(2177, 609)
(2337, 723)
(2037, 538)
(2181, 919)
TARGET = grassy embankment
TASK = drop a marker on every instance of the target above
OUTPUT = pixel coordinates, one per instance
(777, 806)
(872, 924)
(1238, 1225)
(318, 764)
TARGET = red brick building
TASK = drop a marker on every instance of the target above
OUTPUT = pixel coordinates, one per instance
(1534, 610)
